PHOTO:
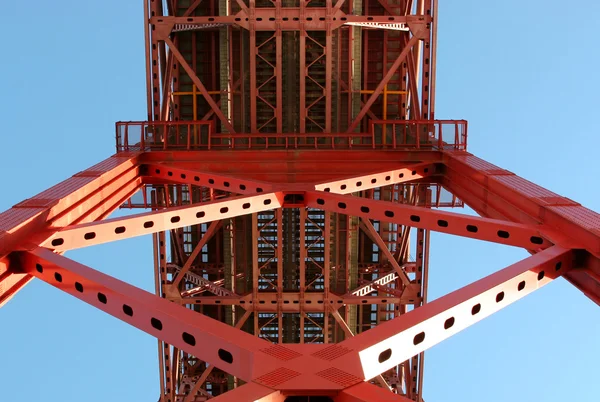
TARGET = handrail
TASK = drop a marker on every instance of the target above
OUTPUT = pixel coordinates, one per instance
(200, 135)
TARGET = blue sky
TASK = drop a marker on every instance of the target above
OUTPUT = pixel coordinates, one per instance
(522, 73)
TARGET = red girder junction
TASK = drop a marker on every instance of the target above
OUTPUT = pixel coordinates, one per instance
(291, 170)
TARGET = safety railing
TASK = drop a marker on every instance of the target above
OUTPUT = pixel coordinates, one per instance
(155, 136)
(200, 135)
(432, 134)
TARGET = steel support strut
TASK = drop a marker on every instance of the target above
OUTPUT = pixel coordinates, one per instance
(393, 342)
(210, 340)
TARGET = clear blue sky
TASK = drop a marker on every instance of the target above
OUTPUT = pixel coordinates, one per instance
(521, 72)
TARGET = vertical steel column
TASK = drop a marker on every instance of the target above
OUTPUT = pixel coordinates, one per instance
(328, 66)
(252, 52)
(148, 58)
(425, 76)
(278, 69)
(302, 76)
(155, 63)
(255, 269)
(302, 267)
(279, 213)
(433, 63)
(326, 273)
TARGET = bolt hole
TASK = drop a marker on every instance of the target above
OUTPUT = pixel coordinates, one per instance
(89, 236)
(246, 205)
(156, 323)
(442, 223)
(343, 187)
(267, 202)
(558, 266)
(419, 338)
(58, 277)
(39, 268)
(224, 210)
(449, 323)
(127, 310)
(521, 286)
(58, 242)
(472, 229)
(373, 181)
(342, 205)
(415, 218)
(102, 298)
(364, 210)
(499, 297)
(120, 229)
(175, 219)
(503, 234)
(79, 287)
(385, 355)
(320, 201)
(389, 214)
(242, 187)
(148, 225)
(188, 338)
(225, 356)
(541, 275)
(537, 240)
(476, 309)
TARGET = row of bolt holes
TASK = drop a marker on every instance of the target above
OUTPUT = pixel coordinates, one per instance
(364, 301)
(210, 181)
(188, 338)
(293, 19)
(373, 181)
(147, 225)
(449, 323)
(441, 223)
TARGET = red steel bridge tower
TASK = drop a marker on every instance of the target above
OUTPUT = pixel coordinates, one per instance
(291, 170)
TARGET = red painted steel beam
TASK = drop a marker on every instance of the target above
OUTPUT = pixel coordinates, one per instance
(292, 166)
(90, 234)
(289, 19)
(212, 229)
(210, 340)
(503, 232)
(372, 233)
(379, 179)
(183, 63)
(86, 196)
(391, 343)
(365, 392)
(220, 182)
(251, 392)
(413, 41)
(566, 217)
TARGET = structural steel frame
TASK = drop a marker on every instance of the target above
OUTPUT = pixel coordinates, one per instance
(292, 163)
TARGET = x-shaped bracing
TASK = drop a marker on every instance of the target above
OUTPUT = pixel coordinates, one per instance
(74, 219)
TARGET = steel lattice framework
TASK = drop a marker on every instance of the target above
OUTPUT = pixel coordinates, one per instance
(292, 170)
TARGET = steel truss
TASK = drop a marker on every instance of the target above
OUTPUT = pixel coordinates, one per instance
(294, 171)
(45, 227)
